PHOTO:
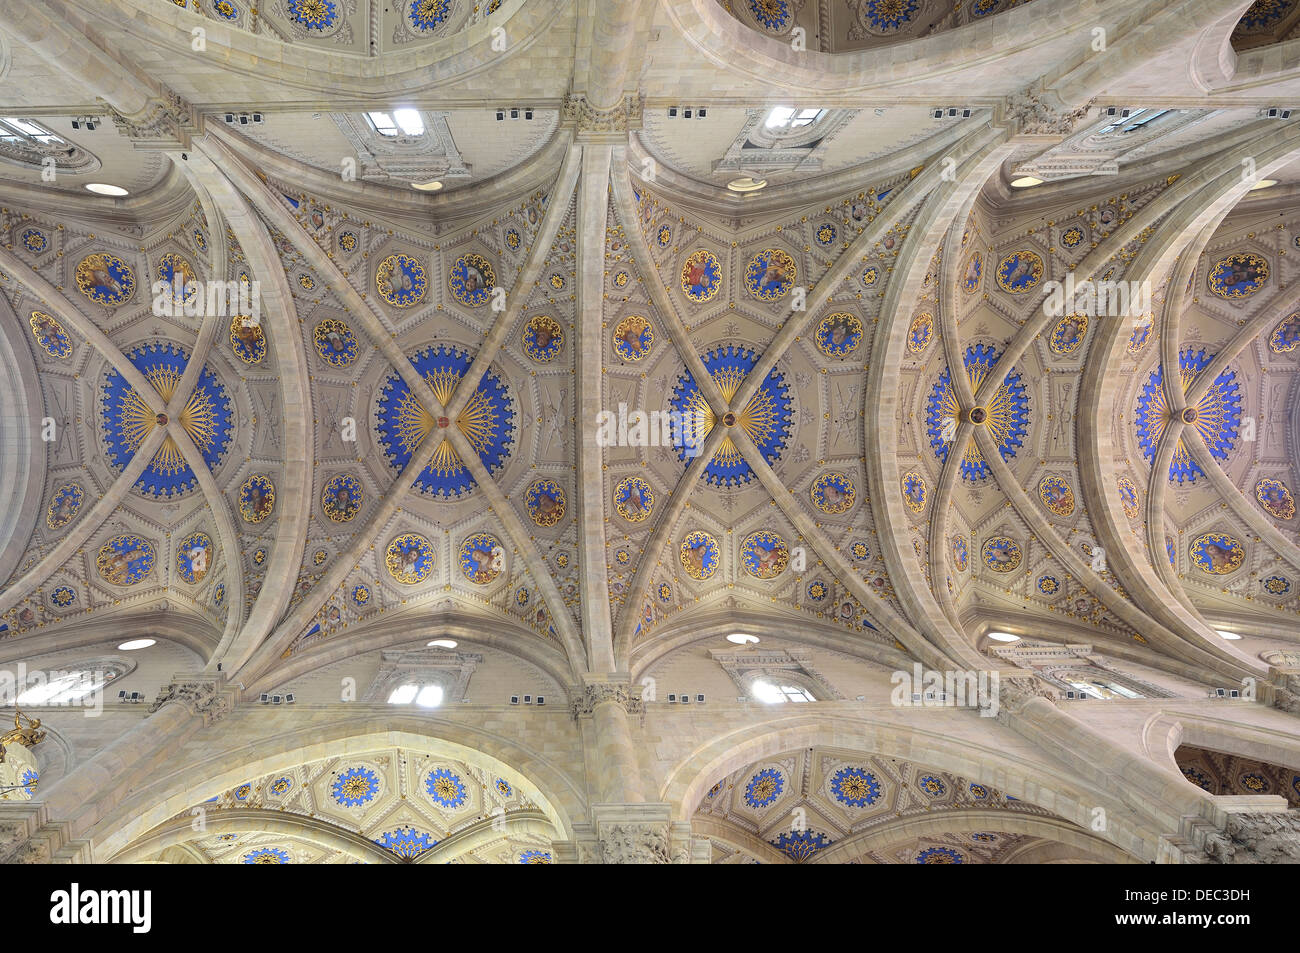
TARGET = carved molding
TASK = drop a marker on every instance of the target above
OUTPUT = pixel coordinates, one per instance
(596, 123)
(1030, 116)
(585, 700)
(1254, 839)
(166, 123)
(203, 696)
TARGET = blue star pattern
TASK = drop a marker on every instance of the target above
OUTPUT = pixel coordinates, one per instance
(800, 845)
(404, 424)
(1007, 412)
(406, 842)
(1216, 416)
(535, 857)
(313, 14)
(855, 787)
(445, 788)
(940, 855)
(764, 787)
(267, 855)
(426, 15)
(128, 418)
(767, 418)
(355, 787)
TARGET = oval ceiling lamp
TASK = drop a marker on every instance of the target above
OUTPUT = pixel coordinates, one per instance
(1026, 182)
(134, 644)
(1263, 184)
(740, 638)
(1003, 637)
(442, 643)
(747, 184)
(101, 188)
(433, 186)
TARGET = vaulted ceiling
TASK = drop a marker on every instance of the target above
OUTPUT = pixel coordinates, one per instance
(410, 429)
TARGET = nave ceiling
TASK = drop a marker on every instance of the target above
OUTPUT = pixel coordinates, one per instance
(397, 440)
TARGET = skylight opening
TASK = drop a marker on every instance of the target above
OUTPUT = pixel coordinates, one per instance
(787, 117)
(400, 122)
(771, 694)
(409, 121)
(383, 123)
(430, 696)
(13, 129)
(403, 694)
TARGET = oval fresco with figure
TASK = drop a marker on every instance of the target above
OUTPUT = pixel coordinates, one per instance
(701, 276)
(1238, 276)
(342, 497)
(64, 505)
(471, 280)
(50, 335)
(125, 560)
(699, 555)
(633, 337)
(1217, 553)
(409, 558)
(401, 281)
(194, 557)
(838, 334)
(544, 500)
(1001, 554)
(764, 555)
(833, 493)
(770, 274)
(105, 279)
(335, 343)
(1276, 498)
(481, 558)
(543, 339)
(633, 499)
(1019, 271)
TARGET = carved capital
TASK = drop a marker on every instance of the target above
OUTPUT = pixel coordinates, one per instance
(634, 843)
(1254, 839)
(1030, 114)
(1017, 692)
(203, 695)
(166, 123)
(595, 123)
(592, 694)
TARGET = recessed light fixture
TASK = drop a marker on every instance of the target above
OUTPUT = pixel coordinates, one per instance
(739, 638)
(1003, 637)
(442, 643)
(747, 184)
(1230, 636)
(1263, 184)
(433, 186)
(1026, 182)
(134, 644)
(99, 188)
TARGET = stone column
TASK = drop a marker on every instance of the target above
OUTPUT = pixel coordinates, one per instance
(57, 827)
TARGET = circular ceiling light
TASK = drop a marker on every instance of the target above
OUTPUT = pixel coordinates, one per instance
(1230, 636)
(1025, 182)
(1263, 184)
(442, 643)
(100, 188)
(1003, 637)
(747, 184)
(739, 638)
(134, 644)
(433, 186)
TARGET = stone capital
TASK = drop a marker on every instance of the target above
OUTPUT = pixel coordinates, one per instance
(596, 692)
(204, 695)
(1032, 112)
(610, 124)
